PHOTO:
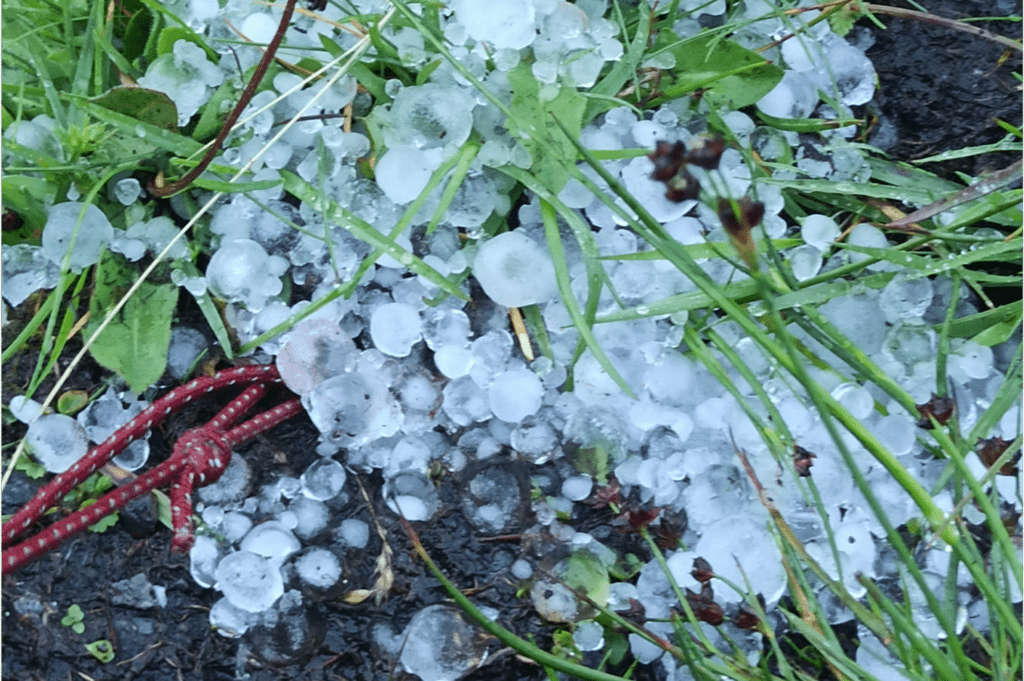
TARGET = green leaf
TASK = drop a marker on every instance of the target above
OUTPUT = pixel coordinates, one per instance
(75, 614)
(137, 34)
(135, 342)
(424, 75)
(102, 650)
(215, 112)
(27, 196)
(212, 117)
(593, 461)
(842, 19)
(850, 188)
(734, 76)
(72, 402)
(210, 312)
(999, 251)
(139, 137)
(30, 468)
(172, 34)
(585, 571)
(104, 523)
(543, 138)
(990, 327)
(149, 106)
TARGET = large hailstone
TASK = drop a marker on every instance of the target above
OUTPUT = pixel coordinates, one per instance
(94, 232)
(509, 24)
(514, 271)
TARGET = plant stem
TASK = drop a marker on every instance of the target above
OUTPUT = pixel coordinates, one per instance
(243, 101)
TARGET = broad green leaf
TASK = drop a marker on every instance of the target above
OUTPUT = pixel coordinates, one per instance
(585, 571)
(138, 137)
(149, 106)
(172, 34)
(733, 76)
(27, 196)
(135, 342)
(137, 34)
(548, 146)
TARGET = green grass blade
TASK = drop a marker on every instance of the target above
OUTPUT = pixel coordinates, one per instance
(568, 297)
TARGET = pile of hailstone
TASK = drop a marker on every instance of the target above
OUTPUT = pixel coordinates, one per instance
(378, 408)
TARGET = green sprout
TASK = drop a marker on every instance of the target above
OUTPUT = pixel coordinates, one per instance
(74, 619)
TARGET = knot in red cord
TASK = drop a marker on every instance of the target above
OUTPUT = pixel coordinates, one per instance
(205, 451)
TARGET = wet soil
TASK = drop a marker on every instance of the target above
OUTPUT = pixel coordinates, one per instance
(110, 577)
(943, 89)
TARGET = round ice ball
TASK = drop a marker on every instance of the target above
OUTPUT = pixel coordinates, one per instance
(819, 231)
(905, 298)
(402, 173)
(395, 328)
(94, 233)
(500, 24)
(515, 394)
(240, 271)
(319, 568)
(317, 349)
(514, 270)
(259, 27)
(867, 236)
(432, 115)
(249, 581)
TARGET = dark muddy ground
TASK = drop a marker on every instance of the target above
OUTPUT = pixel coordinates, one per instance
(942, 90)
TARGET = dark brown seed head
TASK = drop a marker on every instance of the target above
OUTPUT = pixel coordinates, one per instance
(802, 461)
(705, 152)
(668, 159)
(704, 606)
(939, 407)
(682, 187)
(702, 571)
(746, 617)
(991, 449)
